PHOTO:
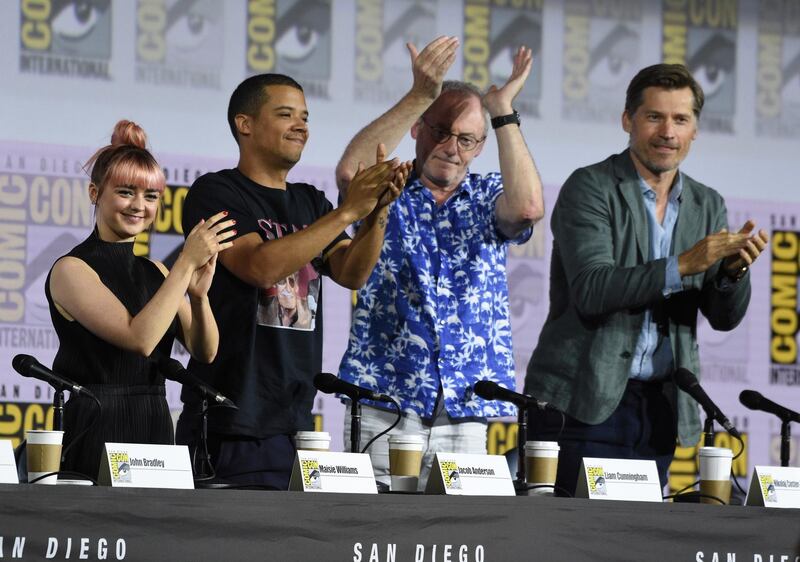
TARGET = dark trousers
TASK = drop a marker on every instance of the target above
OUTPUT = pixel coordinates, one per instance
(642, 427)
(262, 462)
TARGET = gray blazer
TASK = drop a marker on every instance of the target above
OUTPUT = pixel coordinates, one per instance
(601, 283)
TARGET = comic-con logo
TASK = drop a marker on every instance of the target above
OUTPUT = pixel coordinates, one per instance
(785, 249)
(778, 72)
(291, 37)
(596, 479)
(601, 53)
(120, 467)
(451, 475)
(382, 63)
(493, 31)
(179, 42)
(701, 34)
(65, 37)
(41, 218)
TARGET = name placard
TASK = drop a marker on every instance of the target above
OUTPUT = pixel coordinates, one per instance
(8, 466)
(140, 465)
(323, 471)
(619, 479)
(774, 486)
(455, 474)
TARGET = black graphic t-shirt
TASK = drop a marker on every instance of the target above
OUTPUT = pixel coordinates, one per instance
(270, 340)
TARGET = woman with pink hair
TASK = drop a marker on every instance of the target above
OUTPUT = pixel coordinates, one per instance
(116, 313)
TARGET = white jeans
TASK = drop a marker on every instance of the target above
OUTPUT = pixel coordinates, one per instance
(440, 435)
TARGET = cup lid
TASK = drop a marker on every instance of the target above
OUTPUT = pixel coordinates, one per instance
(313, 435)
(715, 452)
(406, 438)
(43, 431)
(542, 445)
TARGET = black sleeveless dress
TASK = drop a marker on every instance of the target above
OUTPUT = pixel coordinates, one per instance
(128, 385)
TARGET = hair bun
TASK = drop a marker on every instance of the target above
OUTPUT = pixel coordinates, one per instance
(128, 132)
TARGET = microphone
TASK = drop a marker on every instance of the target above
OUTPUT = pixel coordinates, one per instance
(490, 390)
(331, 384)
(28, 366)
(756, 401)
(174, 371)
(688, 383)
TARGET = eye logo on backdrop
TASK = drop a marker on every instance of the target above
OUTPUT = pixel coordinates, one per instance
(492, 32)
(701, 34)
(602, 49)
(778, 73)
(179, 43)
(785, 244)
(382, 63)
(65, 37)
(291, 37)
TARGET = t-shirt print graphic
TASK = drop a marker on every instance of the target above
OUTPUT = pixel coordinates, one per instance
(292, 302)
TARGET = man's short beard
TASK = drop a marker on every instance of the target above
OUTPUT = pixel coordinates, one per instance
(651, 167)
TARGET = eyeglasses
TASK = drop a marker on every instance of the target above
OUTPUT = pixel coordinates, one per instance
(466, 143)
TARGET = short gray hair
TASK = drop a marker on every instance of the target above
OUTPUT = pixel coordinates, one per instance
(468, 89)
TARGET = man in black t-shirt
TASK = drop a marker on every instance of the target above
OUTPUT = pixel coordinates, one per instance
(267, 294)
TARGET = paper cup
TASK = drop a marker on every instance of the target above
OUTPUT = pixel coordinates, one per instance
(541, 464)
(405, 460)
(44, 454)
(313, 440)
(715, 474)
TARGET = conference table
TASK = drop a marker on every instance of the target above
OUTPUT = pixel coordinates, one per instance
(99, 523)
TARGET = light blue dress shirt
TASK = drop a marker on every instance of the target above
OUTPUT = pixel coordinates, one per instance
(652, 357)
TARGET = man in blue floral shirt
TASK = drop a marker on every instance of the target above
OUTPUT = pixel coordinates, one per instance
(433, 318)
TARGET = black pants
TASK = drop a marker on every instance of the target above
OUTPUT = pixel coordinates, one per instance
(642, 427)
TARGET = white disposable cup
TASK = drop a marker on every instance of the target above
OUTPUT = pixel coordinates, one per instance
(313, 440)
(44, 454)
(405, 460)
(541, 465)
(715, 473)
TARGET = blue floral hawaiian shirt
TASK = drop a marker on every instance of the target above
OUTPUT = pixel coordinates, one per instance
(434, 311)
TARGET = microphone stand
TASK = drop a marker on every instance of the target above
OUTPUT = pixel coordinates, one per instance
(58, 409)
(355, 426)
(786, 440)
(521, 483)
(708, 430)
(202, 468)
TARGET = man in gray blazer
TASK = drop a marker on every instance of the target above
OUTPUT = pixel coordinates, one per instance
(638, 249)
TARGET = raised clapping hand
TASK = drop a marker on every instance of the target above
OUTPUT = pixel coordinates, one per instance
(376, 185)
(753, 247)
(201, 248)
(392, 188)
(737, 249)
(430, 65)
(499, 101)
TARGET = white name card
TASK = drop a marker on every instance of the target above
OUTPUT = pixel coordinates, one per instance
(619, 479)
(8, 466)
(140, 465)
(322, 471)
(470, 475)
(774, 486)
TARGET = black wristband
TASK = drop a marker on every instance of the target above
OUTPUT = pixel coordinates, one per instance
(502, 120)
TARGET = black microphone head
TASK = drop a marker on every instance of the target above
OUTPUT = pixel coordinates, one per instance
(486, 389)
(685, 379)
(326, 382)
(171, 369)
(751, 399)
(22, 363)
